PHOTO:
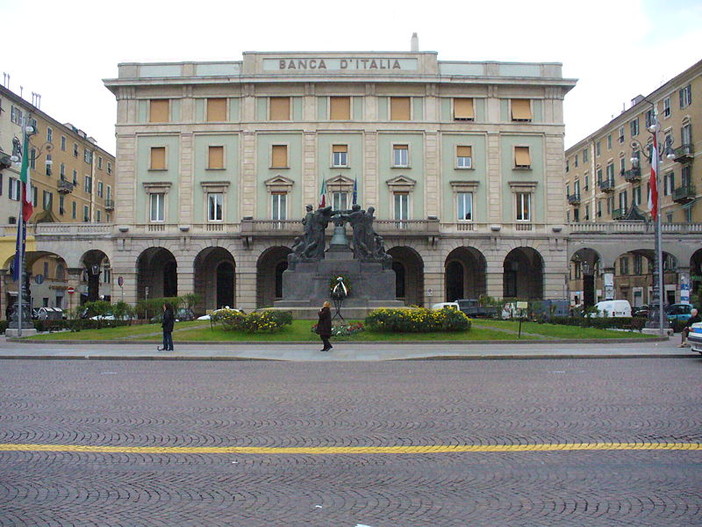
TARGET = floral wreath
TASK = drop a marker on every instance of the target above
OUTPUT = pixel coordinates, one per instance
(334, 280)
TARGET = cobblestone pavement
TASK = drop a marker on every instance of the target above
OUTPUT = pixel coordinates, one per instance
(215, 404)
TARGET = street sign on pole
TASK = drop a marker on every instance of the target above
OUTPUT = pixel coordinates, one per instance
(70, 290)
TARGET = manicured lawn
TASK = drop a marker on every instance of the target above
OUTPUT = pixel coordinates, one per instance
(299, 331)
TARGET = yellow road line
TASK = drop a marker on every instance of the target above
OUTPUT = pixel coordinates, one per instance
(422, 449)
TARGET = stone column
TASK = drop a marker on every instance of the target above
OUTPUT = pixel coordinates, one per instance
(74, 275)
(246, 289)
(433, 288)
(608, 283)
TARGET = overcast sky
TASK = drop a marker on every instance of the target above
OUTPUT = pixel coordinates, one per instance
(616, 49)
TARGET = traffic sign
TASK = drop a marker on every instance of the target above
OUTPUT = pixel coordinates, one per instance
(120, 281)
(39, 279)
(70, 290)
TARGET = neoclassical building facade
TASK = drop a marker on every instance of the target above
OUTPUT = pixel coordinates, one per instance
(462, 161)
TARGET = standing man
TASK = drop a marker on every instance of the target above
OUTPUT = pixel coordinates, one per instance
(167, 324)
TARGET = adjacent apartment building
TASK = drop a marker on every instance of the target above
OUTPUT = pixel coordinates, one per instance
(607, 180)
(462, 161)
(72, 181)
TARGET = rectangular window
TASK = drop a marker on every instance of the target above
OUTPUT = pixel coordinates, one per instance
(669, 184)
(279, 206)
(87, 156)
(34, 197)
(47, 166)
(666, 107)
(75, 149)
(109, 167)
(99, 163)
(638, 264)
(158, 158)
(623, 201)
(62, 171)
(100, 189)
(649, 117)
(463, 109)
(108, 195)
(47, 200)
(49, 135)
(14, 188)
(279, 109)
(400, 108)
(156, 207)
(279, 156)
(621, 134)
(75, 178)
(86, 213)
(634, 125)
(88, 184)
(464, 206)
(62, 204)
(576, 161)
(215, 157)
(521, 110)
(401, 206)
(686, 96)
(159, 111)
(340, 108)
(400, 155)
(16, 115)
(214, 206)
(598, 148)
(522, 159)
(609, 142)
(340, 157)
(610, 172)
(98, 215)
(636, 196)
(523, 206)
(624, 265)
(32, 158)
(74, 211)
(63, 143)
(340, 200)
(216, 110)
(585, 156)
(686, 134)
(464, 156)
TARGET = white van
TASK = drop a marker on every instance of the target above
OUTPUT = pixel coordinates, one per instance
(442, 305)
(613, 308)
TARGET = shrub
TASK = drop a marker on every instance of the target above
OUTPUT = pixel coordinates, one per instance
(262, 322)
(417, 320)
(256, 322)
(231, 319)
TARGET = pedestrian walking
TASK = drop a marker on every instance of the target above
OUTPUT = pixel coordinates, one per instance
(694, 317)
(324, 326)
(167, 323)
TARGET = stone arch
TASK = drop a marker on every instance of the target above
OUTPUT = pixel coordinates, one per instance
(98, 275)
(214, 270)
(584, 267)
(269, 275)
(409, 274)
(157, 273)
(465, 271)
(633, 280)
(523, 275)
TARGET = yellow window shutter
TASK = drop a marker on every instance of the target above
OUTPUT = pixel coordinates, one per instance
(280, 108)
(400, 108)
(279, 156)
(216, 110)
(464, 151)
(340, 148)
(340, 108)
(158, 111)
(521, 110)
(463, 109)
(158, 158)
(522, 157)
(216, 157)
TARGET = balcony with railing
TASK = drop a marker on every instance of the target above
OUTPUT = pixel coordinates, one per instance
(64, 186)
(574, 199)
(684, 154)
(109, 204)
(632, 175)
(606, 185)
(684, 194)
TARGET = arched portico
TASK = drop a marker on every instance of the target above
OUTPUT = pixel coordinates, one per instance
(97, 274)
(215, 279)
(523, 275)
(269, 275)
(465, 274)
(157, 274)
(409, 275)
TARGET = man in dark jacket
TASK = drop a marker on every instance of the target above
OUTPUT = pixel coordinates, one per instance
(167, 324)
(324, 326)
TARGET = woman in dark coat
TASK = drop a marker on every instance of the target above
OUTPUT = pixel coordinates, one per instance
(167, 325)
(324, 326)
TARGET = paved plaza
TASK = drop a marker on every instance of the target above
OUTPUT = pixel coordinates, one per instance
(609, 442)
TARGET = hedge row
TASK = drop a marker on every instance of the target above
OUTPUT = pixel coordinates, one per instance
(634, 323)
(256, 322)
(417, 320)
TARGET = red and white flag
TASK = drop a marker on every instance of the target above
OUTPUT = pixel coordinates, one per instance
(323, 194)
(653, 181)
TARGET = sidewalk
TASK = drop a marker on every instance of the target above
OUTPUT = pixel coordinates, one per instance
(347, 351)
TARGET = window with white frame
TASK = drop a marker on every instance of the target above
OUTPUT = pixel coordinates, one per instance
(686, 134)
(666, 107)
(400, 156)
(636, 195)
(157, 202)
(63, 143)
(464, 156)
(623, 201)
(340, 155)
(279, 206)
(523, 200)
(16, 115)
(15, 188)
(215, 202)
(98, 215)
(89, 184)
(522, 158)
(100, 188)
(634, 125)
(86, 213)
(668, 183)
(401, 206)
(464, 206)
(340, 200)
(686, 96)
(47, 164)
(49, 135)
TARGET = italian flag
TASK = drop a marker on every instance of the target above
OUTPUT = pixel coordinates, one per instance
(27, 207)
(653, 182)
(323, 194)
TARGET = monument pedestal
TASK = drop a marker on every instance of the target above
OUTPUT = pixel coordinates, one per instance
(308, 285)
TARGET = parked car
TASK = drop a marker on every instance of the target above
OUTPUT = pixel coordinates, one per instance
(442, 305)
(207, 316)
(678, 315)
(613, 308)
(694, 338)
(472, 308)
(640, 311)
(50, 313)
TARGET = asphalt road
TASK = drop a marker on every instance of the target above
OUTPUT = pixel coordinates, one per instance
(598, 442)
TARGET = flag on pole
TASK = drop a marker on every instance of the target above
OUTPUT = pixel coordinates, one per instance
(653, 182)
(27, 206)
(27, 209)
(355, 192)
(323, 194)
